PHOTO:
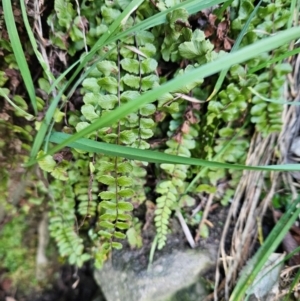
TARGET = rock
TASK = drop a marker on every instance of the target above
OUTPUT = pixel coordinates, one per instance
(266, 284)
(295, 147)
(293, 156)
(174, 275)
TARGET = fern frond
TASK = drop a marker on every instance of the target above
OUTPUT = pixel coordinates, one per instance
(164, 206)
(62, 224)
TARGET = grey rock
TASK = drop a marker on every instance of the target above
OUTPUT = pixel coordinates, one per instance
(295, 147)
(174, 276)
(266, 284)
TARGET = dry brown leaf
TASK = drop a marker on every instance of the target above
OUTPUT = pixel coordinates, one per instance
(222, 30)
(185, 127)
(212, 19)
(227, 44)
(209, 31)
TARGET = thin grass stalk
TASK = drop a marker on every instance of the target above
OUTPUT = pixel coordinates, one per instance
(18, 51)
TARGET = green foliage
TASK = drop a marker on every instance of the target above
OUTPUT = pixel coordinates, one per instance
(48, 164)
(17, 258)
(169, 189)
(12, 256)
(62, 226)
(129, 70)
(134, 235)
(105, 89)
(96, 193)
(270, 18)
(267, 116)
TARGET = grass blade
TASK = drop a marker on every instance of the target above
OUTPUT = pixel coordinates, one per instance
(154, 156)
(18, 51)
(270, 245)
(39, 138)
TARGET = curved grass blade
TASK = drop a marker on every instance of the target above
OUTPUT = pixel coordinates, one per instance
(155, 156)
(281, 102)
(270, 245)
(26, 115)
(39, 138)
(293, 12)
(18, 51)
(62, 76)
(201, 72)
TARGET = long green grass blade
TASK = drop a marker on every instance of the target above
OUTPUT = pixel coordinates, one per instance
(270, 245)
(154, 156)
(201, 72)
(18, 51)
(293, 11)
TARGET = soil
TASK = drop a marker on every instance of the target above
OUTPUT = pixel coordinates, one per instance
(69, 285)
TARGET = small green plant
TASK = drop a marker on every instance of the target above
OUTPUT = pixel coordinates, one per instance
(134, 234)
(17, 260)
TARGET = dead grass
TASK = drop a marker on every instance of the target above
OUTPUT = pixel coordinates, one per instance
(248, 206)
